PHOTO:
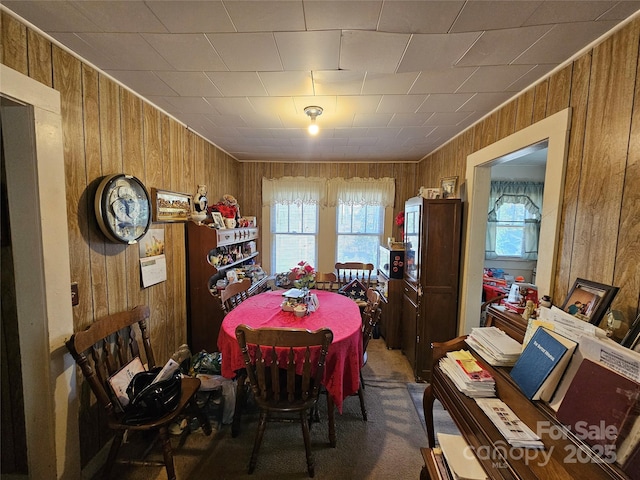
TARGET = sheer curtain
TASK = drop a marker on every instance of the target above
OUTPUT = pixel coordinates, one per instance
(528, 194)
(293, 190)
(361, 191)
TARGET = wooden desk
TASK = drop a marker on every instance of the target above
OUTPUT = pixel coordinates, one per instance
(563, 458)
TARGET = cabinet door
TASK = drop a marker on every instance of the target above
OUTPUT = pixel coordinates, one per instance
(409, 319)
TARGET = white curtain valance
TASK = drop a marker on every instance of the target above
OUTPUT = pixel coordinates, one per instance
(361, 191)
(293, 190)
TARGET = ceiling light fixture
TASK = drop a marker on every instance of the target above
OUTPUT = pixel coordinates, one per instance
(313, 113)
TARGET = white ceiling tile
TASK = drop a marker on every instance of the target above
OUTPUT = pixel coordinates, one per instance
(441, 81)
(437, 51)
(400, 103)
(273, 105)
(247, 52)
(493, 79)
(139, 54)
(372, 51)
(329, 15)
(485, 101)
(231, 106)
(444, 102)
(337, 82)
(287, 83)
(88, 51)
(565, 11)
(53, 16)
(191, 104)
(384, 133)
(186, 52)
(112, 16)
(192, 16)
(142, 82)
(163, 104)
(419, 17)
(447, 118)
(344, 132)
(389, 83)
(349, 104)
(261, 119)
(526, 80)
(266, 16)
(479, 15)
(309, 50)
(621, 11)
(190, 83)
(237, 84)
(409, 119)
(500, 47)
(562, 42)
(226, 120)
(372, 120)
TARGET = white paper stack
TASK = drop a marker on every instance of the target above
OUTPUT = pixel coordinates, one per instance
(494, 346)
(511, 427)
(468, 375)
(461, 459)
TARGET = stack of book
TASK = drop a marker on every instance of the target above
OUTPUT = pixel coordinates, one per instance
(510, 426)
(468, 375)
(494, 346)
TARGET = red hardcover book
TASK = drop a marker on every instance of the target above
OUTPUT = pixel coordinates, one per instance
(598, 405)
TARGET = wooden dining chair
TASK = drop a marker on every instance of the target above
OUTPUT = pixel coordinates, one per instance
(279, 391)
(234, 294)
(348, 271)
(370, 318)
(104, 348)
(326, 281)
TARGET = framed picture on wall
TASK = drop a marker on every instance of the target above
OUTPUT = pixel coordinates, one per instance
(170, 206)
(448, 187)
(589, 300)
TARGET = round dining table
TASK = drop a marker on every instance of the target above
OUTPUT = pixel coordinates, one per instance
(336, 312)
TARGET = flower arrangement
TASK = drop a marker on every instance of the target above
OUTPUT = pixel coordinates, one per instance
(400, 223)
(303, 275)
(228, 206)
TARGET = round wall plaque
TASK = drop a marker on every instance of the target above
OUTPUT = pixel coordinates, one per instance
(123, 208)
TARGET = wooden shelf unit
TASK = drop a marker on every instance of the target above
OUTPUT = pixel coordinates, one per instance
(564, 456)
(205, 312)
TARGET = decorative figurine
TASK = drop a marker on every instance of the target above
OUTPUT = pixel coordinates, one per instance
(200, 201)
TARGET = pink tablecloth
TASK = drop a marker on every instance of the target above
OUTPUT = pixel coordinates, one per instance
(337, 312)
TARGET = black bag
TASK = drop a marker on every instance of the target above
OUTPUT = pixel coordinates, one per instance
(148, 402)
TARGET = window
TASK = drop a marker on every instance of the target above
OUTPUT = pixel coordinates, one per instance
(510, 230)
(359, 230)
(323, 221)
(513, 223)
(294, 229)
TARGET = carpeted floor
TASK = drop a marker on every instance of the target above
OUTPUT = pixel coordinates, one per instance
(387, 446)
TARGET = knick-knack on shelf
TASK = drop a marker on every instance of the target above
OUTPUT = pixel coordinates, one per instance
(200, 201)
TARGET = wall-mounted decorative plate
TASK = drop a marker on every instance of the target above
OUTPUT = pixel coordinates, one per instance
(123, 208)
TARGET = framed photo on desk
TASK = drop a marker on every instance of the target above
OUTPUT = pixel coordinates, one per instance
(589, 300)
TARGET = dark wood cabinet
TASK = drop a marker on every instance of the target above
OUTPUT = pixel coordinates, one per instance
(391, 319)
(204, 244)
(430, 293)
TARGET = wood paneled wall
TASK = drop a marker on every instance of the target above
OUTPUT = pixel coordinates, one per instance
(600, 226)
(107, 129)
